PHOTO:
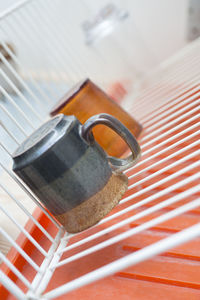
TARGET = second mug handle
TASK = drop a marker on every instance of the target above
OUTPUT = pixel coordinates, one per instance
(117, 164)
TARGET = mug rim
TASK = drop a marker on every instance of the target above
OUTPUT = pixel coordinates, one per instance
(27, 153)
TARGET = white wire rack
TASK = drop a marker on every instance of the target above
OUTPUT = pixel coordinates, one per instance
(163, 186)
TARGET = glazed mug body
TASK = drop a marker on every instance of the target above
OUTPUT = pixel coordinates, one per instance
(69, 172)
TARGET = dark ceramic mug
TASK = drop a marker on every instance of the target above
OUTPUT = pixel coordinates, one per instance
(70, 173)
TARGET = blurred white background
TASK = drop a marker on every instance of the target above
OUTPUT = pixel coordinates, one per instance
(154, 31)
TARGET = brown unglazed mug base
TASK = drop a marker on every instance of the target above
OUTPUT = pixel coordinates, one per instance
(96, 207)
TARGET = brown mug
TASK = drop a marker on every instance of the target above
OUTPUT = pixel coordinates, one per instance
(86, 100)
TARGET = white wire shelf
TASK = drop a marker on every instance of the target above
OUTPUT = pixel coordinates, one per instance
(159, 212)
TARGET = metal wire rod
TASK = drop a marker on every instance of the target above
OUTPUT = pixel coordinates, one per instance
(196, 143)
(165, 150)
(164, 180)
(15, 122)
(28, 214)
(164, 94)
(135, 217)
(16, 106)
(19, 78)
(163, 118)
(150, 199)
(161, 84)
(167, 101)
(55, 59)
(11, 136)
(48, 272)
(19, 34)
(16, 60)
(153, 140)
(12, 287)
(20, 95)
(175, 102)
(129, 260)
(172, 165)
(13, 8)
(39, 278)
(24, 188)
(21, 228)
(64, 50)
(14, 270)
(20, 250)
(139, 228)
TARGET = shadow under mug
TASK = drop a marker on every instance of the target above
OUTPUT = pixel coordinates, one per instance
(85, 100)
(70, 173)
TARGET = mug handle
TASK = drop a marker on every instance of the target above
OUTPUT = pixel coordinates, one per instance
(117, 164)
